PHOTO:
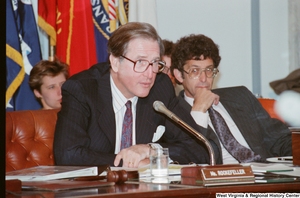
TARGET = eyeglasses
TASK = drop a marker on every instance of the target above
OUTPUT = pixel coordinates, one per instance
(194, 73)
(166, 69)
(142, 65)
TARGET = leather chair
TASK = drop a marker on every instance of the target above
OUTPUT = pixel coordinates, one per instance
(268, 105)
(29, 138)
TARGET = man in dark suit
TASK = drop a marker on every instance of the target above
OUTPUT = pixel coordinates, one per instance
(90, 123)
(195, 60)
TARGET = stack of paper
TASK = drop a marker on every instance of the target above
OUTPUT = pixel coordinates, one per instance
(275, 172)
(174, 169)
(44, 173)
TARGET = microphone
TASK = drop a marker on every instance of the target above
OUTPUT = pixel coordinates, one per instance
(160, 107)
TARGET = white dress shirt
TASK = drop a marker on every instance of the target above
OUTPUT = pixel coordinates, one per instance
(119, 101)
(203, 120)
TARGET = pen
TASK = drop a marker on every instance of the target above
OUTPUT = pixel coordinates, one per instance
(285, 159)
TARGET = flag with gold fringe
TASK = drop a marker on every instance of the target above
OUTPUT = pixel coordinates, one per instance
(22, 53)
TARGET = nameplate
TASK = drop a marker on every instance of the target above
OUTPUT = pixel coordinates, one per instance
(233, 174)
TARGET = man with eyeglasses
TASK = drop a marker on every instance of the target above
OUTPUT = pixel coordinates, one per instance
(255, 136)
(107, 114)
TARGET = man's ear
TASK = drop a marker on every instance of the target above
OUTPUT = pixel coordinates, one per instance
(37, 93)
(178, 75)
(114, 62)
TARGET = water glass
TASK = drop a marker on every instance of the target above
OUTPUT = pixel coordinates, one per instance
(159, 162)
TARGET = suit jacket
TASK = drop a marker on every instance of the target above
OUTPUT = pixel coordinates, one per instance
(265, 136)
(86, 130)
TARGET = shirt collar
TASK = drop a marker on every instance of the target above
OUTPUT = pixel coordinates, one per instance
(189, 99)
(119, 100)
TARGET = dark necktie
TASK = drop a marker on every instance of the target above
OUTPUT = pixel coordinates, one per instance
(126, 140)
(238, 151)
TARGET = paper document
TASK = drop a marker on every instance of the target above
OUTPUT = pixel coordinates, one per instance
(44, 173)
(174, 169)
(271, 167)
(275, 172)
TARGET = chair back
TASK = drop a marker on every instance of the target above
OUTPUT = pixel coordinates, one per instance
(268, 105)
(29, 138)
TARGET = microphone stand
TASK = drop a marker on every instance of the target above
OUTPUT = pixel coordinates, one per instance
(160, 107)
(198, 136)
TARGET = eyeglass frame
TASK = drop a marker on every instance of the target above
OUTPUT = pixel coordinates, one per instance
(214, 70)
(149, 63)
(166, 68)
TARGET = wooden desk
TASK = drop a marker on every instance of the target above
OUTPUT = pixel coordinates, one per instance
(140, 189)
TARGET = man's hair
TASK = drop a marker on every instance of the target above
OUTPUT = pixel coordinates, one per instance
(46, 68)
(118, 42)
(169, 46)
(192, 47)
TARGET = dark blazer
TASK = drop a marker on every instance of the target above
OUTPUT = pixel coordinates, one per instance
(265, 136)
(86, 129)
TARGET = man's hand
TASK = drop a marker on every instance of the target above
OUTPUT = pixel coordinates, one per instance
(204, 99)
(133, 156)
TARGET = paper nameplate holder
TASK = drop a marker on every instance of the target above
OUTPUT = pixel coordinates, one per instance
(217, 175)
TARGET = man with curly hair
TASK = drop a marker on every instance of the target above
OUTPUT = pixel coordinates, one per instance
(195, 62)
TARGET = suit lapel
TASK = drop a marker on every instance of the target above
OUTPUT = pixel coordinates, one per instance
(105, 111)
(145, 127)
(188, 107)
